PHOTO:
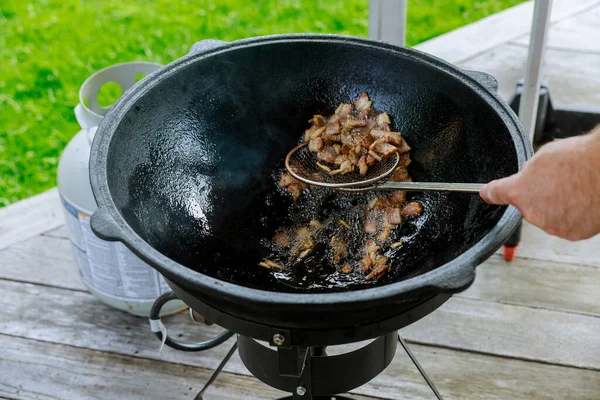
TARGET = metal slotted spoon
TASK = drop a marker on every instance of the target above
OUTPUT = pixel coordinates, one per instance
(301, 163)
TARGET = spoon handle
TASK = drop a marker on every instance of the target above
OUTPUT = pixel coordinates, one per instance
(422, 186)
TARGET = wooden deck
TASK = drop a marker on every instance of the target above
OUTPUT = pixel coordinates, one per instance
(525, 330)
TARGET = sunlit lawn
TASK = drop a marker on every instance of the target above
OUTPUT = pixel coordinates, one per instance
(49, 47)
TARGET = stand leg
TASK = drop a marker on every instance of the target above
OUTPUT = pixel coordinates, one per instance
(216, 373)
(510, 247)
(421, 370)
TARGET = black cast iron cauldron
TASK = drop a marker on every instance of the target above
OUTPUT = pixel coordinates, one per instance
(183, 168)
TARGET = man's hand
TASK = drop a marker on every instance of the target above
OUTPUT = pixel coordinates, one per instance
(558, 189)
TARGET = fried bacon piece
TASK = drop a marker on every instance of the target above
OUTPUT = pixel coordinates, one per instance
(412, 209)
(370, 226)
(398, 198)
(327, 154)
(393, 216)
(281, 239)
(268, 264)
(387, 137)
(382, 119)
(293, 185)
(318, 120)
(339, 249)
(400, 174)
(315, 144)
(346, 269)
(378, 272)
(385, 149)
(363, 103)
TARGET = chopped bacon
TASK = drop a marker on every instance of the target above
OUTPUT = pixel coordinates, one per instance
(353, 123)
(315, 144)
(384, 235)
(412, 209)
(295, 190)
(400, 174)
(362, 165)
(344, 109)
(385, 149)
(398, 198)
(286, 180)
(281, 239)
(327, 154)
(370, 226)
(388, 137)
(339, 249)
(363, 102)
(404, 159)
(404, 147)
(345, 168)
(365, 264)
(394, 216)
(333, 128)
(371, 248)
(346, 269)
(378, 272)
(382, 119)
(318, 120)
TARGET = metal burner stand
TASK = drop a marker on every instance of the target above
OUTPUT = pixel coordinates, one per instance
(310, 374)
(306, 371)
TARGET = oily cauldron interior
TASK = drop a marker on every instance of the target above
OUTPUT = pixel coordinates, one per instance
(192, 164)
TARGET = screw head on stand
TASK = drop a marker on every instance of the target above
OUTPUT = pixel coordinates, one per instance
(278, 339)
(300, 390)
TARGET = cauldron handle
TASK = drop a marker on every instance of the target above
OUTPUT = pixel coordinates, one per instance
(104, 225)
(205, 45)
(486, 80)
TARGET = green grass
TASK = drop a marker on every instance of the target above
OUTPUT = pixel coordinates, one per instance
(49, 47)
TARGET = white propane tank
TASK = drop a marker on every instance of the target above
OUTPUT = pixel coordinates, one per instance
(109, 269)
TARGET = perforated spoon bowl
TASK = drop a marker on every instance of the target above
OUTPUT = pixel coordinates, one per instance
(302, 164)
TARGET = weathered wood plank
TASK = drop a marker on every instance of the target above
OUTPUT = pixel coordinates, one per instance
(46, 260)
(538, 283)
(538, 244)
(37, 370)
(467, 41)
(30, 217)
(459, 375)
(576, 34)
(574, 78)
(76, 318)
(507, 330)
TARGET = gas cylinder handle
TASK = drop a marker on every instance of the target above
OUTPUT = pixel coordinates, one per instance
(89, 112)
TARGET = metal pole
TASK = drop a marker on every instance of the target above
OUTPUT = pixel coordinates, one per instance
(387, 21)
(531, 90)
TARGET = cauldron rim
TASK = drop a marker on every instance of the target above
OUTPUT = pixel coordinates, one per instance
(455, 275)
